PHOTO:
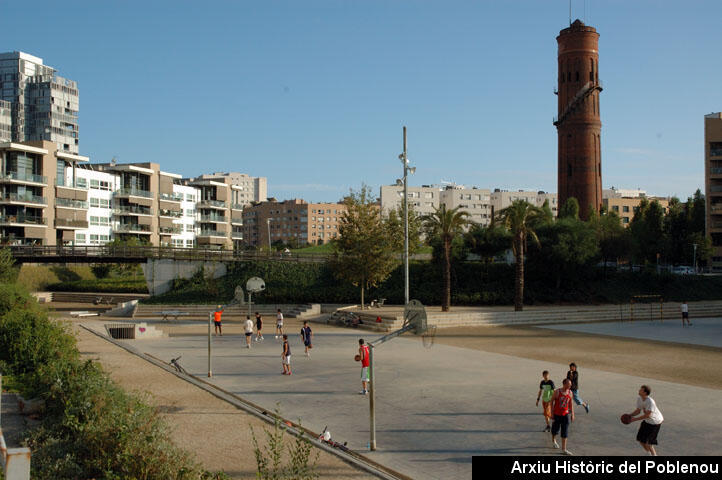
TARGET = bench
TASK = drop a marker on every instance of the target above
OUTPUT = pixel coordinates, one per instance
(172, 313)
(378, 303)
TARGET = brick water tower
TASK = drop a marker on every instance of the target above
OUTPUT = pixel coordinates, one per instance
(578, 122)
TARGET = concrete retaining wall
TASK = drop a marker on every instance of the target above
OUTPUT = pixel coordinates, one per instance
(160, 273)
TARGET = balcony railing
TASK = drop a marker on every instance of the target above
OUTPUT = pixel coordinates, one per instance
(715, 188)
(26, 198)
(237, 235)
(237, 206)
(23, 219)
(66, 202)
(131, 227)
(213, 218)
(132, 210)
(79, 184)
(715, 170)
(212, 203)
(170, 230)
(67, 222)
(212, 233)
(163, 212)
(24, 177)
(171, 197)
(237, 220)
(133, 192)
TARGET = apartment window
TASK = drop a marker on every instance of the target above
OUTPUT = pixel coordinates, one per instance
(625, 219)
(715, 149)
(80, 237)
(189, 228)
(190, 197)
(615, 208)
(99, 202)
(99, 184)
(190, 212)
(99, 221)
(189, 243)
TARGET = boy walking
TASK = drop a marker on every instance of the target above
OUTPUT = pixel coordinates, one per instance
(259, 327)
(217, 320)
(286, 356)
(573, 377)
(306, 336)
(363, 351)
(685, 313)
(651, 420)
(546, 390)
(279, 323)
(563, 409)
(248, 327)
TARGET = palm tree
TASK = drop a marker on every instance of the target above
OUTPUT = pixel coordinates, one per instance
(521, 218)
(446, 225)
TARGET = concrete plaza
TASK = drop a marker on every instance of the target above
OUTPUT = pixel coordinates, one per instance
(437, 407)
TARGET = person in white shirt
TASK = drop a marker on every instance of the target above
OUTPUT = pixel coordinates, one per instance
(685, 313)
(248, 327)
(279, 323)
(651, 420)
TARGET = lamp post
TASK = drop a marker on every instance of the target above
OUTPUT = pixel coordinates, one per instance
(405, 162)
(268, 223)
(694, 258)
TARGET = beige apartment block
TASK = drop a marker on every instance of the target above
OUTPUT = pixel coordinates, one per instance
(39, 203)
(500, 199)
(215, 211)
(423, 200)
(626, 207)
(713, 184)
(475, 201)
(291, 221)
(248, 189)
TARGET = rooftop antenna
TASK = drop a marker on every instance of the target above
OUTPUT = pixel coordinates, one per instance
(113, 161)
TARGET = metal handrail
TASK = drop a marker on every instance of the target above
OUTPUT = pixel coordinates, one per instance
(133, 192)
(28, 198)
(66, 202)
(24, 177)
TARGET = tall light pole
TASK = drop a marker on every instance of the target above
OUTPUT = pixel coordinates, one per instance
(694, 258)
(268, 223)
(405, 161)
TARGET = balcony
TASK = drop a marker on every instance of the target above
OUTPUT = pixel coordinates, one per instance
(212, 204)
(22, 220)
(70, 224)
(132, 210)
(16, 177)
(236, 221)
(212, 233)
(170, 230)
(80, 183)
(236, 206)
(213, 219)
(171, 197)
(164, 212)
(237, 235)
(715, 171)
(132, 228)
(132, 192)
(25, 198)
(715, 189)
(715, 209)
(67, 203)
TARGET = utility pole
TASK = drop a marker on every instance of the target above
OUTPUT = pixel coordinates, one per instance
(695, 258)
(406, 223)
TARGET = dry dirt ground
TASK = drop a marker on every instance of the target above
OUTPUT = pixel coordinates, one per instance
(217, 432)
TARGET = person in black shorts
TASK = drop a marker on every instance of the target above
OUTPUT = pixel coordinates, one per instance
(651, 420)
(306, 336)
(259, 326)
(286, 356)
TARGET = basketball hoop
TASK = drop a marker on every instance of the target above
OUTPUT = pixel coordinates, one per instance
(427, 338)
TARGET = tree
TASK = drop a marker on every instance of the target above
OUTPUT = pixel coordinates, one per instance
(395, 224)
(613, 239)
(696, 207)
(647, 232)
(570, 209)
(487, 242)
(518, 218)
(364, 249)
(446, 225)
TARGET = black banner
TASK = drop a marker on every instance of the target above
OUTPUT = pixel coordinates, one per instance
(595, 467)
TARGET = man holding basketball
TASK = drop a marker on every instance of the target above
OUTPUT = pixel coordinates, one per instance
(563, 409)
(651, 420)
(363, 356)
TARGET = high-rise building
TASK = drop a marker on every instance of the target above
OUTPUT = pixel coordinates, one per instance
(713, 184)
(5, 121)
(248, 189)
(578, 121)
(44, 106)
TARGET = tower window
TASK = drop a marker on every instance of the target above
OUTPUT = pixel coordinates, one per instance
(569, 169)
(577, 77)
(569, 76)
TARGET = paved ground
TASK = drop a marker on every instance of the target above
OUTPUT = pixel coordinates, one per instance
(704, 331)
(438, 407)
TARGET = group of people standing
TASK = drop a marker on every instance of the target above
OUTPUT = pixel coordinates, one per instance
(558, 410)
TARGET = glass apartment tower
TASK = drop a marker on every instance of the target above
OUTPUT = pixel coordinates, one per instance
(43, 105)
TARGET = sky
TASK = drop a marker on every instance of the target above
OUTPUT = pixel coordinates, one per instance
(313, 94)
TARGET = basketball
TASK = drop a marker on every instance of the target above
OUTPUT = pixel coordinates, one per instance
(357, 358)
(626, 419)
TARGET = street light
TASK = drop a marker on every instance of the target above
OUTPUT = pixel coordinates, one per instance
(405, 162)
(268, 222)
(694, 258)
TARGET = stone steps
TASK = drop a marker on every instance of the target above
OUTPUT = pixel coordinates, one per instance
(89, 297)
(235, 312)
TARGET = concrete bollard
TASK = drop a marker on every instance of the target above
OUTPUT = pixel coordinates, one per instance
(17, 464)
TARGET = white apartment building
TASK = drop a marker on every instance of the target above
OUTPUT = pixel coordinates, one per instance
(185, 223)
(98, 213)
(623, 193)
(501, 199)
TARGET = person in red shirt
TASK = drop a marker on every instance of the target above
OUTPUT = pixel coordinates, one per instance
(563, 410)
(363, 351)
(217, 320)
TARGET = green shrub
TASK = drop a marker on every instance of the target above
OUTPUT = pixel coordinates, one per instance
(102, 270)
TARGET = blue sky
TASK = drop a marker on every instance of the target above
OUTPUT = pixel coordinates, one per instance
(313, 94)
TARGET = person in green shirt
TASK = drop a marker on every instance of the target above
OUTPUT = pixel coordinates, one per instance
(546, 390)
